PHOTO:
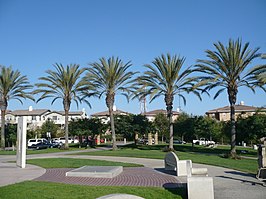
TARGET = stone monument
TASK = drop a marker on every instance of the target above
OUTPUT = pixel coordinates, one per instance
(149, 139)
(156, 138)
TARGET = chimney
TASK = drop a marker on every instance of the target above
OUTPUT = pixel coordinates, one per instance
(114, 108)
(242, 103)
(30, 108)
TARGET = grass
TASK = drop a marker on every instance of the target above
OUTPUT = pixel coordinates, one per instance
(76, 163)
(48, 190)
(199, 154)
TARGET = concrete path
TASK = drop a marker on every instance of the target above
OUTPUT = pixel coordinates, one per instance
(228, 183)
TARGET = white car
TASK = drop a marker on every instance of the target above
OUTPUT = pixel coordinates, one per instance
(203, 141)
(70, 140)
(35, 141)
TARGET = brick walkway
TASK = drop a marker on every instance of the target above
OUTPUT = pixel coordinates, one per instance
(134, 176)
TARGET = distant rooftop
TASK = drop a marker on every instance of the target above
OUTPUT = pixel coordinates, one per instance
(238, 108)
(155, 112)
(106, 113)
(29, 112)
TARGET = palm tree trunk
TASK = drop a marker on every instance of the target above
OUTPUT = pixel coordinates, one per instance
(3, 112)
(66, 104)
(66, 130)
(171, 142)
(233, 130)
(110, 97)
(112, 127)
(169, 107)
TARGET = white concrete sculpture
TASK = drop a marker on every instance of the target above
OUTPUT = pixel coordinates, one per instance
(21, 142)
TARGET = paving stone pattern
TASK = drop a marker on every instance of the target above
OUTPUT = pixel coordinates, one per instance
(136, 176)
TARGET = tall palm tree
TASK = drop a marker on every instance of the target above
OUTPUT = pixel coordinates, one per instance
(166, 78)
(110, 77)
(13, 85)
(63, 83)
(228, 69)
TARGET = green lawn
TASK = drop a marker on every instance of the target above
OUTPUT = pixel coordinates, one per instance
(76, 163)
(45, 190)
(198, 154)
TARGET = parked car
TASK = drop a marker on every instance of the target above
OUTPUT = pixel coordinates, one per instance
(145, 141)
(70, 140)
(177, 142)
(41, 145)
(203, 141)
(35, 141)
(56, 140)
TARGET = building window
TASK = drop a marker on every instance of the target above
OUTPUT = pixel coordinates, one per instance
(33, 118)
(54, 118)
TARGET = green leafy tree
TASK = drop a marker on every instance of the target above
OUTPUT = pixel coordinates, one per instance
(252, 128)
(11, 132)
(49, 126)
(184, 127)
(228, 69)
(124, 125)
(166, 78)
(86, 126)
(141, 125)
(63, 83)
(15, 86)
(161, 124)
(110, 77)
(207, 127)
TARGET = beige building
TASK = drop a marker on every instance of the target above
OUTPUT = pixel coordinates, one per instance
(35, 118)
(104, 116)
(223, 113)
(152, 114)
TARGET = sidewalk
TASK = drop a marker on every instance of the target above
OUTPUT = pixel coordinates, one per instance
(228, 183)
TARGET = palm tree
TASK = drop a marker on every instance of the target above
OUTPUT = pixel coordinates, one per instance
(13, 85)
(110, 77)
(228, 69)
(164, 78)
(63, 83)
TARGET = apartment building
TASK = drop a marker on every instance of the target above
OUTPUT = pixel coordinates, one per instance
(223, 113)
(36, 117)
(152, 114)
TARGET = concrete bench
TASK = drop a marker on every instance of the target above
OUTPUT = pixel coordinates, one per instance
(195, 171)
(172, 163)
(200, 187)
(182, 167)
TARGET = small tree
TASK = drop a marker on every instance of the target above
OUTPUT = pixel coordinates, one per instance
(11, 135)
(49, 126)
(161, 123)
(252, 128)
(184, 127)
(124, 126)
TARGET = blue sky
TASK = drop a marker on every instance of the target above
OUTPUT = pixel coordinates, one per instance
(35, 34)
